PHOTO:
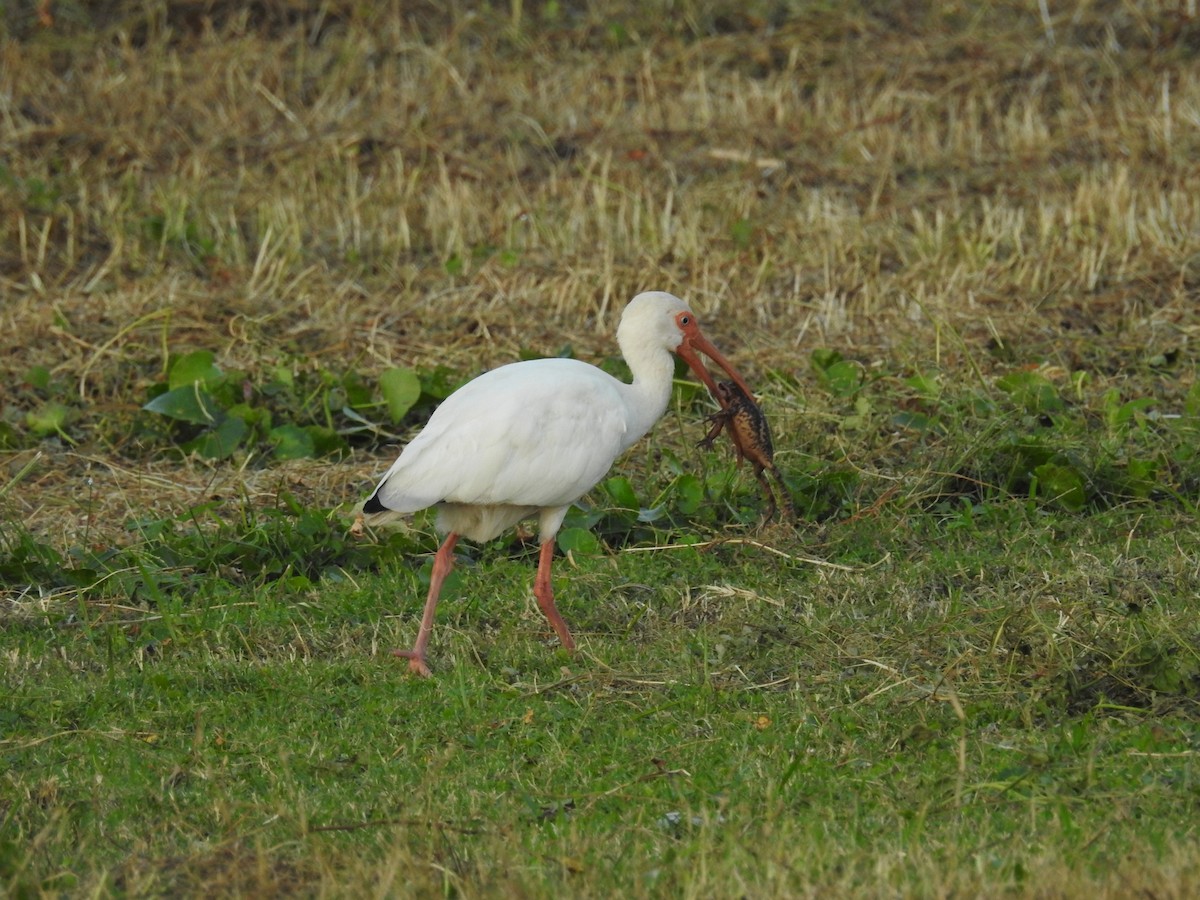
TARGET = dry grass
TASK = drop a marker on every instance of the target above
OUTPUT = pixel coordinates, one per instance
(285, 184)
(957, 189)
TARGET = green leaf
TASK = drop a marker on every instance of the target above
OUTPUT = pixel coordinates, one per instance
(742, 233)
(1061, 484)
(48, 419)
(193, 368)
(621, 492)
(925, 385)
(823, 357)
(844, 378)
(187, 404)
(326, 441)
(1033, 391)
(917, 421)
(401, 389)
(841, 377)
(689, 494)
(220, 442)
(81, 577)
(1138, 479)
(358, 394)
(580, 516)
(440, 383)
(1029, 454)
(672, 463)
(1118, 414)
(1142, 469)
(292, 442)
(38, 377)
(257, 417)
(579, 541)
(1191, 405)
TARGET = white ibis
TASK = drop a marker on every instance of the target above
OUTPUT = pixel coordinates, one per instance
(530, 438)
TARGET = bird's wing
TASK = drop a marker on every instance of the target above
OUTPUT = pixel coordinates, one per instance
(538, 433)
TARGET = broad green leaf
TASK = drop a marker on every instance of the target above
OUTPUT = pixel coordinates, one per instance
(47, 419)
(1146, 469)
(1191, 405)
(297, 584)
(257, 417)
(401, 388)
(689, 494)
(841, 377)
(1141, 477)
(81, 577)
(823, 357)
(621, 492)
(1129, 411)
(578, 540)
(1117, 414)
(742, 232)
(187, 404)
(579, 516)
(672, 463)
(192, 368)
(1033, 391)
(292, 442)
(440, 383)
(220, 442)
(38, 377)
(1060, 484)
(917, 421)
(326, 441)
(925, 385)
(358, 393)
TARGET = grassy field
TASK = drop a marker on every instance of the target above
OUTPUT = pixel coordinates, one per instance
(245, 248)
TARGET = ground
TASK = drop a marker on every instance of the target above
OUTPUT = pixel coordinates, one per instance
(955, 248)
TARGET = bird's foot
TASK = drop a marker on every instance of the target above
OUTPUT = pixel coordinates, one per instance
(416, 662)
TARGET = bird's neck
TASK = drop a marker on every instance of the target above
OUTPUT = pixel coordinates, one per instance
(650, 392)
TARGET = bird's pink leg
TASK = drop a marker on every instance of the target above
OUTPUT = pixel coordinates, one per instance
(545, 595)
(443, 562)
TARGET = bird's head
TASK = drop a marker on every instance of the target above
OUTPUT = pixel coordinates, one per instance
(671, 320)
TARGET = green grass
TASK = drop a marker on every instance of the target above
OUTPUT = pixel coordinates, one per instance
(246, 248)
(737, 720)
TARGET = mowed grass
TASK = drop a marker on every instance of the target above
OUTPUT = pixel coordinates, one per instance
(734, 724)
(957, 250)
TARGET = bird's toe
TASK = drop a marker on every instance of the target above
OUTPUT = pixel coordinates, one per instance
(416, 662)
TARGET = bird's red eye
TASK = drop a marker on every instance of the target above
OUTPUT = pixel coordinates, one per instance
(685, 320)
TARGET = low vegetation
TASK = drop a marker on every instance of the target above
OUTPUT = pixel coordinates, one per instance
(246, 249)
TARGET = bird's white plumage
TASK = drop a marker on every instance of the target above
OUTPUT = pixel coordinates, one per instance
(531, 438)
(500, 439)
(536, 436)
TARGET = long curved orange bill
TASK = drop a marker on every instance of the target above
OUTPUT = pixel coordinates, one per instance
(693, 341)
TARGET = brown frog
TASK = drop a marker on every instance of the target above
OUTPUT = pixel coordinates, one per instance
(751, 437)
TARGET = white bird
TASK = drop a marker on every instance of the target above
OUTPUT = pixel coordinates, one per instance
(530, 438)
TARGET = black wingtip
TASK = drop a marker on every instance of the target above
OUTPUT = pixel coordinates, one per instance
(373, 505)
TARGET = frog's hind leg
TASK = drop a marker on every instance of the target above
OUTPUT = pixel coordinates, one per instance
(789, 505)
(766, 486)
